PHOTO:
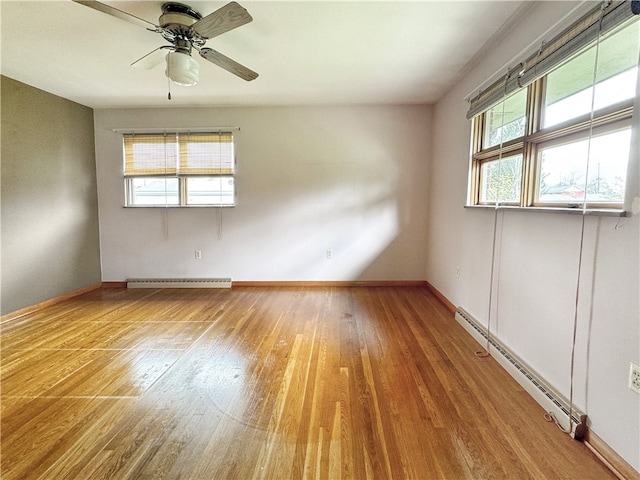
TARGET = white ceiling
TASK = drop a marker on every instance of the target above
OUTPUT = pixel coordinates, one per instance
(306, 52)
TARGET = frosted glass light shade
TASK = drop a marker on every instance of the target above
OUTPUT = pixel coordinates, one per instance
(182, 69)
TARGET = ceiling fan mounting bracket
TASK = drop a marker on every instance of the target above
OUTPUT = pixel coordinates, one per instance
(175, 7)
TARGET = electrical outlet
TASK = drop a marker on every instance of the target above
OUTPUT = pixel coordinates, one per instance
(457, 272)
(198, 254)
(634, 377)
(329, 253)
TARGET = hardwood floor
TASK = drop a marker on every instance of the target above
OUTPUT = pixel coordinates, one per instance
(266, 383)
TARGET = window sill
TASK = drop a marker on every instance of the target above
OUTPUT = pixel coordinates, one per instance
(178, 206)
(606, 212)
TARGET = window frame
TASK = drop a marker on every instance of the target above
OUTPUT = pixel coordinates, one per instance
(174, 171)
(536, 137)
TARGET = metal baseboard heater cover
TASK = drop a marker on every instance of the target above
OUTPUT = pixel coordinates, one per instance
(538, 388)
(179, 283)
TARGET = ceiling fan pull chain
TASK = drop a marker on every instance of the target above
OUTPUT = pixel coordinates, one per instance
(169, 88)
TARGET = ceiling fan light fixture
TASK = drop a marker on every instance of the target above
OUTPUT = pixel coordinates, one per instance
(185, 29)
(182, 69)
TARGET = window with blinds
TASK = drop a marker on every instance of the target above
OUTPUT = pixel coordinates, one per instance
(179, 169)
(556, 130)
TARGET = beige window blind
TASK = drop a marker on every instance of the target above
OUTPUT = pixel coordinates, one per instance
(178, 154)
(206, 154)
(601, 19)
(150, 154)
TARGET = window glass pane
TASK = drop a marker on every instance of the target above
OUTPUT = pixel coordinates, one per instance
(569, 89)
(210, 191)
(563, 170)
(506, 121)
(154, 191)
(500, 180)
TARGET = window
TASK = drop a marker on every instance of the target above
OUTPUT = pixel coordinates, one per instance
(499, 159)
(565, 178)
(506, 121)
(562, 138)
(500, 180)
(179, 169)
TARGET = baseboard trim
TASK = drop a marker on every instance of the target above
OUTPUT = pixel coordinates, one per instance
(48, 303)
(330, 283)
(610, 458)
(443, 300)
(114, 284)
(304, 283)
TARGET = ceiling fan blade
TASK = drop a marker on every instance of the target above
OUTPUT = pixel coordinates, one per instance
(229, 65)
(151, 59)
(222, 20)
(114, 12)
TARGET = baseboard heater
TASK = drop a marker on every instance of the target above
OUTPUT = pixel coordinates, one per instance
(179, 283)
(538, 388)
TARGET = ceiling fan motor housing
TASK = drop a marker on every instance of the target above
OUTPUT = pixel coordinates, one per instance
(176, 21)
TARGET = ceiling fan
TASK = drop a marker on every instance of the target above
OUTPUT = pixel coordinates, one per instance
(185, 29)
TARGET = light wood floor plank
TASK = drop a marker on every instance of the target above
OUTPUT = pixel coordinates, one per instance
(266, 382)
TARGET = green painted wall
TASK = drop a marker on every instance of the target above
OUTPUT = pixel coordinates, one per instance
(49, 207)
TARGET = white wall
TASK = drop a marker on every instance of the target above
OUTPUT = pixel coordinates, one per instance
(349, 179)
(536, 267)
